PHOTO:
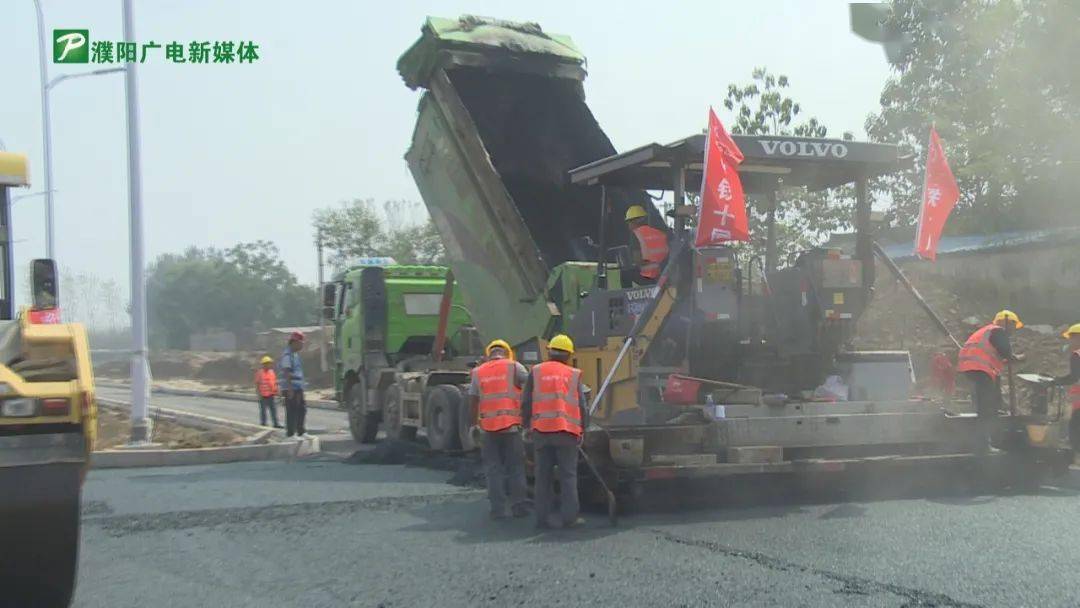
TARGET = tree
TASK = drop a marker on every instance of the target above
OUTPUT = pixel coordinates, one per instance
(761, 107)
(91, 300)
(358, 228)
(998, 81)
(244, 288)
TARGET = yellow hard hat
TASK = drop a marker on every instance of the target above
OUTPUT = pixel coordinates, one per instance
(634, 212)
(562, 342)
(499, 344)
(1075, 329)
(1009, 315)
(266, 359)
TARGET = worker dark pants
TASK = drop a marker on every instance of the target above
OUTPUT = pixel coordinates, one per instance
(295, 411)
(1074, 431)
(986, 397)
(551, 450)
(504, 465)
(266, 404)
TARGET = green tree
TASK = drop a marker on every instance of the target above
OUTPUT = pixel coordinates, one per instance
(360, 228)
(803, 219)
(998, 80)
(244, 288)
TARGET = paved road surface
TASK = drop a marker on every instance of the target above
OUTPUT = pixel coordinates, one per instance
(324, 533)
(319, 421)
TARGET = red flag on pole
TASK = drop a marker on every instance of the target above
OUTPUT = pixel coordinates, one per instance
(939, 197)
(722, 215)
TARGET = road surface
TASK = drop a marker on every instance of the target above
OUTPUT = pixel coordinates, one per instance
(319, 421)
(325, 533)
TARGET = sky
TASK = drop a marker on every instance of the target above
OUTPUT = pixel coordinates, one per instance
(237, 153)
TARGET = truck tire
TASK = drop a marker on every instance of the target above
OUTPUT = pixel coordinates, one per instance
(441, 412)
(466, 427)
(392, 416)
(363, 424)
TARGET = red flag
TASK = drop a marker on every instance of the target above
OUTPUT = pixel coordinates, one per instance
(722, 215)
(939, 197)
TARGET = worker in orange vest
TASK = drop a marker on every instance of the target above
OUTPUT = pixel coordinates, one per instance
(1072, 380)
(495, 401)
(266, 387)
(554, 403)
(652, 246)
(982, 359)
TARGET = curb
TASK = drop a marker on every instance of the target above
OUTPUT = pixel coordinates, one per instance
(130, 458)
(188, 418)
(118, 459)
(182, 392)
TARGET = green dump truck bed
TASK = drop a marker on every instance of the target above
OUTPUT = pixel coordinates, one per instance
(501, 122)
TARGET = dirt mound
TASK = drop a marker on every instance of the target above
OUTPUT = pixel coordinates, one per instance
(237, 369)
(894, 321)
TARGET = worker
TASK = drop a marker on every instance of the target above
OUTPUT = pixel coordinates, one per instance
(554, 403)
(292, 374)
(1072, 380)
(267, 389)
(982, 359)
(652, 249)
(495, 400)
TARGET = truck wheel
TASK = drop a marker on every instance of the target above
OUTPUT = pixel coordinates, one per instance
(392, 416)
(363, 424)
(466, 424)
(443, 403)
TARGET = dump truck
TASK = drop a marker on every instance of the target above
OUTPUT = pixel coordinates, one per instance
(403, 344)
(48, 422)
(703, 374)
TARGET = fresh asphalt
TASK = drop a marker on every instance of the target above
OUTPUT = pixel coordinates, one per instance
(324, 533)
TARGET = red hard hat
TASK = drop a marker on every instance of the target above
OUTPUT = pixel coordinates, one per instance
(296, 335)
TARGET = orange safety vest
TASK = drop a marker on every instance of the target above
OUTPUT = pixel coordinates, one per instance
(1074, 390)
(500, 398)
(555, 404)
(978, 355)
(654, 250)
(266, 380)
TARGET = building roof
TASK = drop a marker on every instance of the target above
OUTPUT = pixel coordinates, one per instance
(972, 244)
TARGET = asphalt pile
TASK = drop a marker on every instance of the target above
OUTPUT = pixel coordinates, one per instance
(466, 467)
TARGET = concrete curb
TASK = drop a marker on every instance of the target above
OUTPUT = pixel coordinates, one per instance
(288, 450)
(188, 418)
(182, 392)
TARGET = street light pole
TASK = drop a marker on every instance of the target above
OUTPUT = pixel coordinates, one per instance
(46, 124)
(140, 387)
(46, 130)
(323, 367)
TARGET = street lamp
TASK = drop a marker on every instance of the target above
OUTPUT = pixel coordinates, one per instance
(63, 77)
(22, 196)
(46, 125)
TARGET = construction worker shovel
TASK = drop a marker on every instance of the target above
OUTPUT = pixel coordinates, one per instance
(612, 507)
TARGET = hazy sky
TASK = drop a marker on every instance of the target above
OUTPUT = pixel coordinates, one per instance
(235, 153)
